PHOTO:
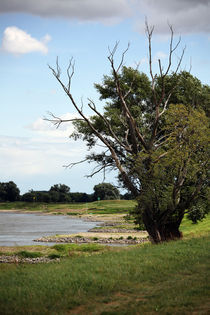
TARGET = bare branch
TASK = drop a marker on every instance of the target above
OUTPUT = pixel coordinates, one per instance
(98, 171)
(134, 131)
(58, 68)
(57, 121)
(161, 156)
(70, 73)
(159, 102)
(180, 60)
(99, 136)
(149, 31)
(75, 163)
(112, 53)
(93, 107)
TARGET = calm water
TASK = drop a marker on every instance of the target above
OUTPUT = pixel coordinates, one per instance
(22, 228)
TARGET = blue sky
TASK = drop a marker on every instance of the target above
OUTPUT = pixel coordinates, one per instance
(34, 33)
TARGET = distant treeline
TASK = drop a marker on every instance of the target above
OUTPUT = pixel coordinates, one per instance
(60, 193)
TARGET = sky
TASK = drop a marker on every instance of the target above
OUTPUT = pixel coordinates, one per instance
(33, 34)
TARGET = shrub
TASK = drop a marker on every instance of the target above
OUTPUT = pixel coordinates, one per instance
(54, 256)
(26, 254)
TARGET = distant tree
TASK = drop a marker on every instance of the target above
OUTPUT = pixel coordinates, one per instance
(29, 197)
(54, 195)
(9, 191)
(2, 192)
(42, 196)
(61, 191)
(61, 188)
(105, 191)
(81, 197)
(37, 196)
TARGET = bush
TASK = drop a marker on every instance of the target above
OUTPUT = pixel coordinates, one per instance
(26, 254)
(54, 256)
(198, 212)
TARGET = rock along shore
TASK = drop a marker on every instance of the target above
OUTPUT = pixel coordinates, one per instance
(102, 240)
(14, 259)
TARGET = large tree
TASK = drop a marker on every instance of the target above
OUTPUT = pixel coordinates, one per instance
(154, 132)
(105, 191)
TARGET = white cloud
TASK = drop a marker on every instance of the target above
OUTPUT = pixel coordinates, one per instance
(159, 55)
(37, 163)
(83, 10)
(48, 129)
(28, 156)
(17, 41)
(186, 16)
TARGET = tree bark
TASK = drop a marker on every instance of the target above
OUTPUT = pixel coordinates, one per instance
(159, 230)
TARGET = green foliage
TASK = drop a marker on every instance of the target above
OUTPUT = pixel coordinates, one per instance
(189, 91)
(105, 191)
(198, 212)
(57, 193)
(60, 188)
(81, 197)
(9, 192)
(175, 183)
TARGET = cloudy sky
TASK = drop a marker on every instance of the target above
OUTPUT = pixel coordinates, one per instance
(33, 33)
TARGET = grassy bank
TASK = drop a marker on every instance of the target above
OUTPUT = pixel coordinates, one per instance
(170, 278)
(96, 207)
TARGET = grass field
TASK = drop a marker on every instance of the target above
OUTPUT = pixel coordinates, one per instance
(170, 278)
(96, 207)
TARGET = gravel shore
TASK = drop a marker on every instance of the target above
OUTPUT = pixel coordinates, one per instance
(100, 240)
(14, 259)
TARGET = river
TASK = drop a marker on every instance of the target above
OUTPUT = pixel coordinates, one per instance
(17, 229)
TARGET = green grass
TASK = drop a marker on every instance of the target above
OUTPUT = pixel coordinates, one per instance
(63, 250)
(170, 278)
(201, 228)
(68, 248)
(96, 207)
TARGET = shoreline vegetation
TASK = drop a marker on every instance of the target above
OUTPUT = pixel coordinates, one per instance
(93, 278)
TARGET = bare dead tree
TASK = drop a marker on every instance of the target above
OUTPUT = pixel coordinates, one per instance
(132, 128)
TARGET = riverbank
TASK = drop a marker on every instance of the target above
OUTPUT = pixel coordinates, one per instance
(113, 225)
(99, 238)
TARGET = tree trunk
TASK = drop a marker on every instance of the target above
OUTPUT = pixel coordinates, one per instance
(160, 231)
